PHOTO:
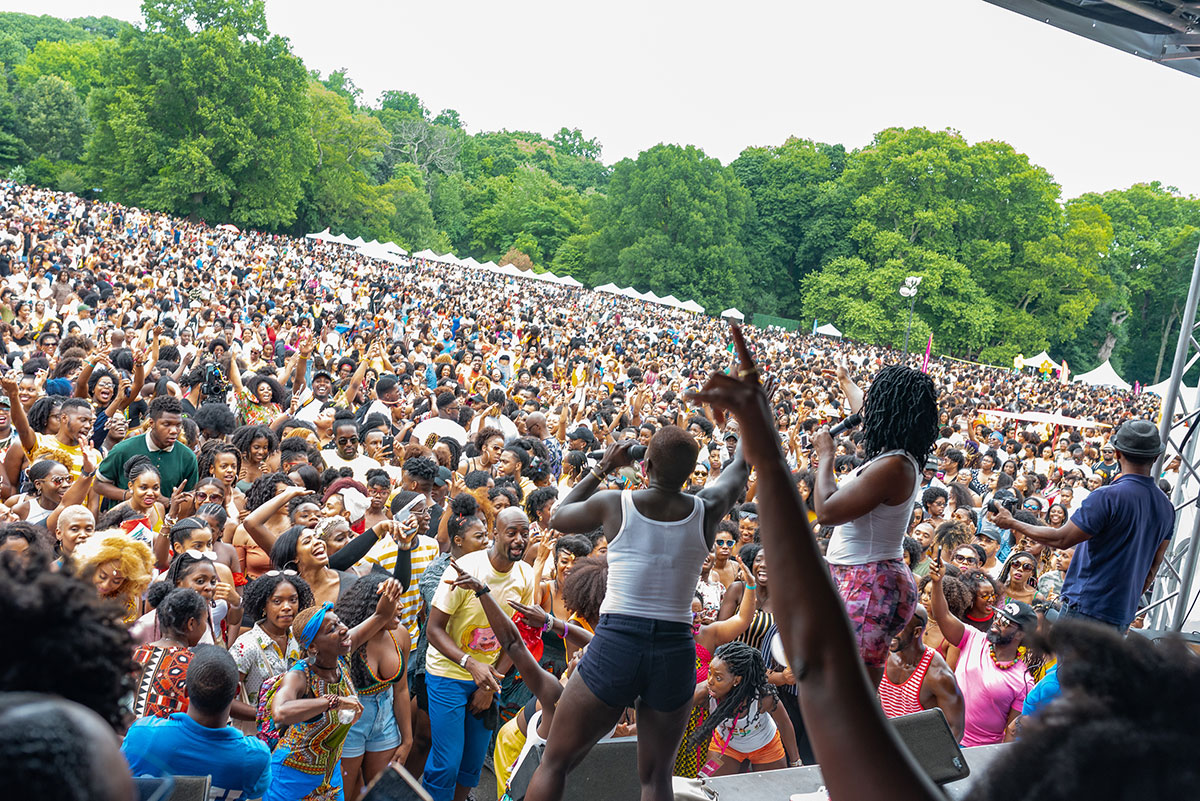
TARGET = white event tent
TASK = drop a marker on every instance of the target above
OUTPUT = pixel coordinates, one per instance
(734, 313)
(1102, 376)
(829, 330)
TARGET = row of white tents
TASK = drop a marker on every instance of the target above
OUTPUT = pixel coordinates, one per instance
(391, 252)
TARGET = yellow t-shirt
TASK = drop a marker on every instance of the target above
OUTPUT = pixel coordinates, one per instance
(48, 447)
(468, 624)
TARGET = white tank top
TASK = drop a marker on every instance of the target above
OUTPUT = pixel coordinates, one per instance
(879, 534)
(653, 565)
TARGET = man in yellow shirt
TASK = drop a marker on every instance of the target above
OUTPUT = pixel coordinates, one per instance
(461, 675)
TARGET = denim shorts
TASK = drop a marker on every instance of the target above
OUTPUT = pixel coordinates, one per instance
(376, 730)
(637, 657)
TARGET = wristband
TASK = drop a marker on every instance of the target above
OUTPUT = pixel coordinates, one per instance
(462, 663)
(595, 472)
(480, 593)
(566, 629)
(751, 586)
(549, 622)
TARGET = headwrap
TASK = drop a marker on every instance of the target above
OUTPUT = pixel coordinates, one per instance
(309, 632)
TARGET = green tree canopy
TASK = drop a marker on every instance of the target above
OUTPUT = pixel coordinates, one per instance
(53, 120)
(209, 123)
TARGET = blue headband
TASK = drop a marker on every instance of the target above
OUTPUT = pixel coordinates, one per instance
(309, 632)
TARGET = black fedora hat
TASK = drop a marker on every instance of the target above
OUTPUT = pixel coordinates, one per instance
(1138, 438)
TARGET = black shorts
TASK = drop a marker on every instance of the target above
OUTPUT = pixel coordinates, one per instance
(637, 657)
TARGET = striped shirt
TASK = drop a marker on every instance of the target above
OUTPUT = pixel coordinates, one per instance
(423, 553)
(904, 699)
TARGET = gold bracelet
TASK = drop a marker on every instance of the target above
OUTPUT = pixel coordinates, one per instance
(599, 476)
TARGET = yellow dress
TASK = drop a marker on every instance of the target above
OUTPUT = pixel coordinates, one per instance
(509, 742)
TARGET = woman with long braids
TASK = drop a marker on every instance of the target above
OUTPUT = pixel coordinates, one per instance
(44, 418)
(256, 444)
(873, 506)
(222, 461)
(272, 602)
(193, 570)
(1018, 578)
(746, 722)
(316, 701)
(378, 670)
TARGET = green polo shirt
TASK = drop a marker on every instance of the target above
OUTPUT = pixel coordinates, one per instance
(175, 467)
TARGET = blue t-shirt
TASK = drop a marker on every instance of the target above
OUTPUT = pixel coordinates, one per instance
(240, 766)
(1043, 692)
(1127, 521)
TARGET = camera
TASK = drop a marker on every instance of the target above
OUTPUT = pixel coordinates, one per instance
(215, 382)
(1006, 498)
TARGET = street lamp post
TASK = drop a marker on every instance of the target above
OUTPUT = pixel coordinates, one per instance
(909, 290)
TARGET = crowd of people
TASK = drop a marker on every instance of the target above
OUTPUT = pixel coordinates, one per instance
(285, 515)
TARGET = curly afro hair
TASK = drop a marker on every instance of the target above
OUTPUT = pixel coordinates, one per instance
(73, 643)
(216, 418)
(258, 592)
(245, 436)
(583, 589)
(263, 489)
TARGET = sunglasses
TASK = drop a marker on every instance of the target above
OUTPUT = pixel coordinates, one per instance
(274, 573)
(209, 555)
(728, 543)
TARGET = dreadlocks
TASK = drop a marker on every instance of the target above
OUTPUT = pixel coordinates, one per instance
(900, 412)
(743, 662)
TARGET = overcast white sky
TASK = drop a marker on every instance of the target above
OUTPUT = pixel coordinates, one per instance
(723, 76)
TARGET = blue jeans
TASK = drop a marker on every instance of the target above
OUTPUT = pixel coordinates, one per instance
(460, 740)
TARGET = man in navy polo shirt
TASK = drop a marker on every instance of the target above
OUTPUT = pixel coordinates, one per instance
(1122, 531)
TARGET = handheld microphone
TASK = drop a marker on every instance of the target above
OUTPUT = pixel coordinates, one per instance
(853, 421)
(637, 452)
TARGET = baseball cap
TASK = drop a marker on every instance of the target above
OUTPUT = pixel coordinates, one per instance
(583, 434)
(443, 476)
(1018, 612)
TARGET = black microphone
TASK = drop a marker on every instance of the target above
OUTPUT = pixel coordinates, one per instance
(637, 452)
(853, 421)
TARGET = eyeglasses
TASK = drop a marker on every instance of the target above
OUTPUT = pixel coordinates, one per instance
(965, 559)
(1026, 566)
(274, 573)
(727, 543)
(209, 555)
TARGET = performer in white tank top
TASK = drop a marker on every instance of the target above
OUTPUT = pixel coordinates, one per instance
(643, 653)
(872, 509)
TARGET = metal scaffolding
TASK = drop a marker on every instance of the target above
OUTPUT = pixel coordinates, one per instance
(1171, 597)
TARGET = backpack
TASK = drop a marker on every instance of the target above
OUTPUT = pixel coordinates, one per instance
(264, 722)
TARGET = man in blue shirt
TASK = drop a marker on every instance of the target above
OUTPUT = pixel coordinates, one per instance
(1122, 531)
(200, 742)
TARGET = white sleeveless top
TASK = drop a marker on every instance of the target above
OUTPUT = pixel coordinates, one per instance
(653, 565)
(879, 534)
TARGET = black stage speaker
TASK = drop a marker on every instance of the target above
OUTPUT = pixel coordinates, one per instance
(932, 745)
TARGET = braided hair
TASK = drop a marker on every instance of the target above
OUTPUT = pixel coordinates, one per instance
(747, 663)
(356, 605)
(462, 511)
(900, 412)
(209, 452)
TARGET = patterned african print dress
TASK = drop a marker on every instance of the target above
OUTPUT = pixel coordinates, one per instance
(162, 680)
(307, 763)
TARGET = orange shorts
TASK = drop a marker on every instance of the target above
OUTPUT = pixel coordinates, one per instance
(771, 752)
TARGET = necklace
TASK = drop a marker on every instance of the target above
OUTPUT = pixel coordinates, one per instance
(999, 665)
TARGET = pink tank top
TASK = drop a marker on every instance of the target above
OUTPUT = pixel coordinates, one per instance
(904, 699)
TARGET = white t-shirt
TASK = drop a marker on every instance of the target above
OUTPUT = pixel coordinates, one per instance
(753, 731)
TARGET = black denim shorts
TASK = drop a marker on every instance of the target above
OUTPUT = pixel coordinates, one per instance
(637, 657)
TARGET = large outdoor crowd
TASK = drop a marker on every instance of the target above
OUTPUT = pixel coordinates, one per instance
(281, 514)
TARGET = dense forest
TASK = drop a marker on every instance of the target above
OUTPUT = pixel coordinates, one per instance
(200, 110)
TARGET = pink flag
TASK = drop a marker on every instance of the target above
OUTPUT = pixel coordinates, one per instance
(928, 348)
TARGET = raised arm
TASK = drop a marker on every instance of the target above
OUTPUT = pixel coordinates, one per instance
(842, 711)
(389, 593)
(728, 630)
(583, 507)
(952, 628)
(256, 522)
(541, 683)
(19, 421)
(1064, 536)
